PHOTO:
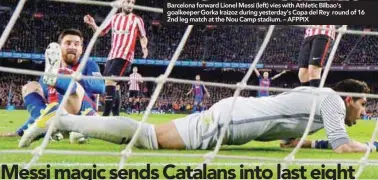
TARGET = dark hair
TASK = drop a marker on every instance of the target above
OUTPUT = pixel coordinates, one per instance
(74, 32)
(352, 86)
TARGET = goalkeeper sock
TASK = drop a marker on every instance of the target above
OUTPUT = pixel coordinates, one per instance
(114, 129)
(315, 82)
(34, 103)
(117, 103)
(305, 83)
(320, 144)
(138, 106)
(61, 85)
(110, 91)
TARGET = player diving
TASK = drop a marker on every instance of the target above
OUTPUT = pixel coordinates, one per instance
(270, 118)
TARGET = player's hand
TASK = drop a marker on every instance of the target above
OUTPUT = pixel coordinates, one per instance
(145, 52)
(88, 19)
(208, 95)
(292, 143)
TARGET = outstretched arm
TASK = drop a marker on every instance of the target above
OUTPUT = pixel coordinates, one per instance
(190, 91)
(278, 75)
(143, 43)
(140, 80)
(88, 19)
(143, 38)
(206, 91)
(333, 112)
(352, 146)
(257, 73)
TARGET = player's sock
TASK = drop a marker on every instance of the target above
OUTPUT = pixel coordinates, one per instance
(114, 129)
(61, 85)
(127, 107)
(21, 130)
(110, 91)
(320, 144)
(305, 83)
(34, 103)
(138, 107)
(117, 103)
(194, 109)
(315, 82)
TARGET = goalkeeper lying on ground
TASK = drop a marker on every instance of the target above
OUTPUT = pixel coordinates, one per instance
(63, 59)
(261, 119)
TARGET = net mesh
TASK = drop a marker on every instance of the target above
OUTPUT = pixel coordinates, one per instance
(162, 79)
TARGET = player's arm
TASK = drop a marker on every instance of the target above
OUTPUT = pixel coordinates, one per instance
(140, 80)
(95, 86)
(88, 19)
(278, 75)
(143, 37)
(353, 146)
(190, 91)
(333, 112)
(206, 91)
(143, 43)
(257, 72)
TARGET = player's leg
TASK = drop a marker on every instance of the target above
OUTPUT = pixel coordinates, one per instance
(138, 103)
(132, 97)
(128, 104)
(303, 62)
(195, 105)
(117, 130)
(200, 106)
(318, 55)
(199, 103)
(196, 131)
(34, 101)
(117, 101)
(118, 67)
(109, 88)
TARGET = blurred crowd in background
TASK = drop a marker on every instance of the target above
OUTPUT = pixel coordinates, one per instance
(42, 21)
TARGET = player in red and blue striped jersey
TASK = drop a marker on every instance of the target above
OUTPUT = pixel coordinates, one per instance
(63, 59)
(198, 90)
(265, 82)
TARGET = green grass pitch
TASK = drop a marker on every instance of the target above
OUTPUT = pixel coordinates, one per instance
(10, 121)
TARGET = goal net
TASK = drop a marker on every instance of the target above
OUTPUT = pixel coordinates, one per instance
(262, 47)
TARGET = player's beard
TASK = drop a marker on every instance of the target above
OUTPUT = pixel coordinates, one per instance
(70, 59)
(127, 11)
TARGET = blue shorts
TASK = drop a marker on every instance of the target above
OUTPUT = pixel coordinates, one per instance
(198, 99)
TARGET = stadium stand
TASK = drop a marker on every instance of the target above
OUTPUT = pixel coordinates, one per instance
(41, 22)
